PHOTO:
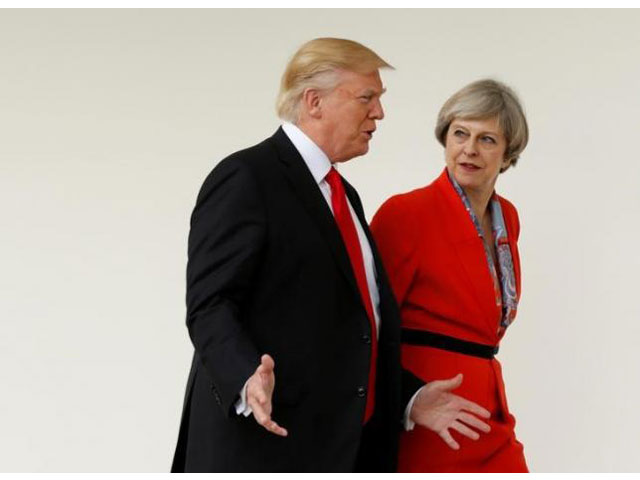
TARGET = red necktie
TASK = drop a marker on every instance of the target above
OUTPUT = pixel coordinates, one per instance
(349, 234)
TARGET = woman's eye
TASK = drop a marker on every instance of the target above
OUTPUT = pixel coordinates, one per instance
(488, 139)
(458, 133)
(365, 98)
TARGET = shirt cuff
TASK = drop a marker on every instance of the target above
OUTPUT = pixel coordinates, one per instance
(241, 406)
(406, 420)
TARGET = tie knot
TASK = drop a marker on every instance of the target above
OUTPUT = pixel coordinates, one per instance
(333, 178)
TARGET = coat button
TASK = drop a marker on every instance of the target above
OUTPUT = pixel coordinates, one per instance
(366, 339)
(362, 392)
(216, 394)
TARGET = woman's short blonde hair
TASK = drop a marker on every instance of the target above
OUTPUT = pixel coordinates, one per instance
(316, 64)
(483, 99)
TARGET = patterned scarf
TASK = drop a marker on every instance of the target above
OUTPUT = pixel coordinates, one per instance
(504, 281)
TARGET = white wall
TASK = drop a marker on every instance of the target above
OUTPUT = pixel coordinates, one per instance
(110, 121)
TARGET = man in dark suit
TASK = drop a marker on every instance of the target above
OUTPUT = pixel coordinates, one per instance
(288, 305)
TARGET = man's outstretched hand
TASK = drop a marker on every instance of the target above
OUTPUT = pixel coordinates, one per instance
(437, 409)
(259, 392)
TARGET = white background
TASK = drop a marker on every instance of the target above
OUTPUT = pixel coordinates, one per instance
(110, 120)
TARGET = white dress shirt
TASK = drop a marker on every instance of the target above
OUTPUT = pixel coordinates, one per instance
(319, 165)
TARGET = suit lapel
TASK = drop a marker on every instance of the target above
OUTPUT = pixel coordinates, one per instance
(474, 264)
(307, 190)
(357, 207)
(387, 301)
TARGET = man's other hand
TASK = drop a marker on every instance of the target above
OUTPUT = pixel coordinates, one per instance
(259, 392)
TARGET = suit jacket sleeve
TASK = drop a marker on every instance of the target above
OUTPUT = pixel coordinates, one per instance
(225, 243)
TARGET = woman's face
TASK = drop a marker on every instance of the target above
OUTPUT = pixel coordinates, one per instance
(474, 153)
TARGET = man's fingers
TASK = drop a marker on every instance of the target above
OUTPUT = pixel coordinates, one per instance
(448, 439)
(264, 418)
(260, 413)
(265, 370)
(267, 362)
(448, 384)
(259, 397)
(474, 408)
(267, 377)
(464, 430)
(475, 422)
(273, 427)
(257, 393)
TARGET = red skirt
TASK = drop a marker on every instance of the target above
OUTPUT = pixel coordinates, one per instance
(422, 450)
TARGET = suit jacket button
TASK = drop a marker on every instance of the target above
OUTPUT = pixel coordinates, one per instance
(362, 392)
(366, 339)
(215, 394)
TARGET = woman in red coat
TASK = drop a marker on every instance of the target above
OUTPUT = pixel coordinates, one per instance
(451, 253)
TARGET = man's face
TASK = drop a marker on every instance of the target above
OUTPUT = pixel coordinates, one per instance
(349, 115)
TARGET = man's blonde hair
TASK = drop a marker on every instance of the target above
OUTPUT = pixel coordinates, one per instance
(317, 64)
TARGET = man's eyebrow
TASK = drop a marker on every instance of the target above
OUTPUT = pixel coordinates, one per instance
(371, 91)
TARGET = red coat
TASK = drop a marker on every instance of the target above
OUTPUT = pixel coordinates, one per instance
(439, 274)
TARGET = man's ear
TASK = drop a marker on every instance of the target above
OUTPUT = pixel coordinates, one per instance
(312, 102)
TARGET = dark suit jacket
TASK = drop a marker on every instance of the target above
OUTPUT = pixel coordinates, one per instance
(268, 273)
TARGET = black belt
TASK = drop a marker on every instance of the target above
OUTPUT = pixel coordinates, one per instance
(445, 342)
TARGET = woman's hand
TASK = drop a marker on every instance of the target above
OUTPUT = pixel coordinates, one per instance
(437, 409)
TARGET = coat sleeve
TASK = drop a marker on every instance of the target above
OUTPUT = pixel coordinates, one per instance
(393, 233)
(225, 243)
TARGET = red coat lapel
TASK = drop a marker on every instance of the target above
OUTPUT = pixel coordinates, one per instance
(513, 232)
(469, 250)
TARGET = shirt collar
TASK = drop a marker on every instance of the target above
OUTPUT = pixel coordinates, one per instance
(317, 161)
